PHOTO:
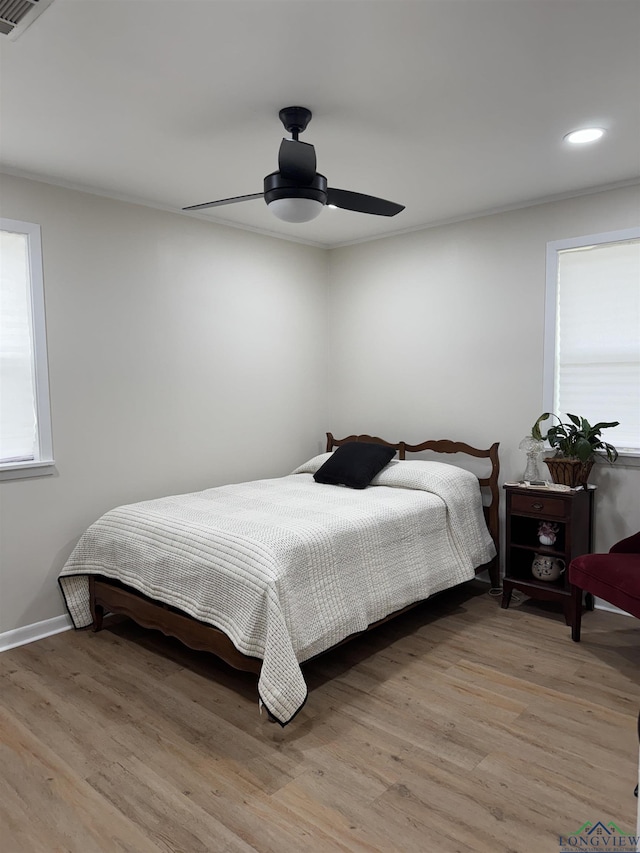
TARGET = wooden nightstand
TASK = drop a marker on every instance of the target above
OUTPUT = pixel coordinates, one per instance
(573, 512)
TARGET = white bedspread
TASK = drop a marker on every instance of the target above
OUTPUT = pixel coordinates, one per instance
(288, 567)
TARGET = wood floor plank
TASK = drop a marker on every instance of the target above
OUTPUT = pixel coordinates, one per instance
(161, 811)
(44, 805)
(458, 727)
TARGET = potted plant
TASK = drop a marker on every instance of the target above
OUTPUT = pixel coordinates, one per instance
(577, 443)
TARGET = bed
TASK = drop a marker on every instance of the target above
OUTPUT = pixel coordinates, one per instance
(269, 574)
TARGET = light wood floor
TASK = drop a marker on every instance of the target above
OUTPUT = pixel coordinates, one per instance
(457, 727)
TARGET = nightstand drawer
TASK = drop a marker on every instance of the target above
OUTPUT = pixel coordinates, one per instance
(539, 505)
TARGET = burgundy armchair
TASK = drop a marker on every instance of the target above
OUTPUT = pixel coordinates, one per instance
(615, 577)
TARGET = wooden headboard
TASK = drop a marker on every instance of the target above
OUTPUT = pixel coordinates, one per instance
(488, 484)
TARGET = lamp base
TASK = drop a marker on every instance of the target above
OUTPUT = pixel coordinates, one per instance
(532, 472)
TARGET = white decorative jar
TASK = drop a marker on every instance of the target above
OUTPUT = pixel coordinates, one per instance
(547, 568)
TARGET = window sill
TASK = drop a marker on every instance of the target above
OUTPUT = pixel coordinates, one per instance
(24, 470)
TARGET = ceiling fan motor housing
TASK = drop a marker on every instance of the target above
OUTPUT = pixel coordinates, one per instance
(276, 187)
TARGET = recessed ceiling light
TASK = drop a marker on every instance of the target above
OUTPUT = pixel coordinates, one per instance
(586, 134)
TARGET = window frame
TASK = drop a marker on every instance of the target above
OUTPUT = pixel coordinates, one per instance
(554, 248)
(44, 463)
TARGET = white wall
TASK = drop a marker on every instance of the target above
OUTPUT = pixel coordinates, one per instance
(184, 355)
(181, 355)
(439, 334)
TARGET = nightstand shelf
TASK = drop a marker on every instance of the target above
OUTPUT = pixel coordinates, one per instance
(572, 512)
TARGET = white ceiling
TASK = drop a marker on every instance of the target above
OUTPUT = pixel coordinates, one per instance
(450, 107)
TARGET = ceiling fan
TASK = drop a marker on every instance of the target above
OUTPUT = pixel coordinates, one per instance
(296, 192)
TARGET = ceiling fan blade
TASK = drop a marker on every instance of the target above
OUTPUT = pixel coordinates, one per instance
(297, 161)
(348, 200)
(223, 201)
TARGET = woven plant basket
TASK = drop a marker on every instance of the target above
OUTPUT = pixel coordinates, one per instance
(569, 472)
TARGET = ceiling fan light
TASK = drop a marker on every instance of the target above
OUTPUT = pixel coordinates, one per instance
(296, 209)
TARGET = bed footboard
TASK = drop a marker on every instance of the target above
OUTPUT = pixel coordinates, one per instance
(108, 596)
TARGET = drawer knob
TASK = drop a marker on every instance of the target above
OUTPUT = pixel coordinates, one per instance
(537, 506)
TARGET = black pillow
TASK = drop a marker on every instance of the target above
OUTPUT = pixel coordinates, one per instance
(354, 464)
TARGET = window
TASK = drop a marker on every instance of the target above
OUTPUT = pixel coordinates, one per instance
(592, 333)
(25, 424)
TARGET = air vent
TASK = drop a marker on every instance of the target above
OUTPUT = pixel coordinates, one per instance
(17, 15)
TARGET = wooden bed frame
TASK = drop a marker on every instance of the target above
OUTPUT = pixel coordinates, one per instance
(109, 596)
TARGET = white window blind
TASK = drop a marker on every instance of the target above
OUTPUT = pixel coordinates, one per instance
(25, 430)
(596, 331)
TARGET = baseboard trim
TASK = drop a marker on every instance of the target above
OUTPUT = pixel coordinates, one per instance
(36, 631)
